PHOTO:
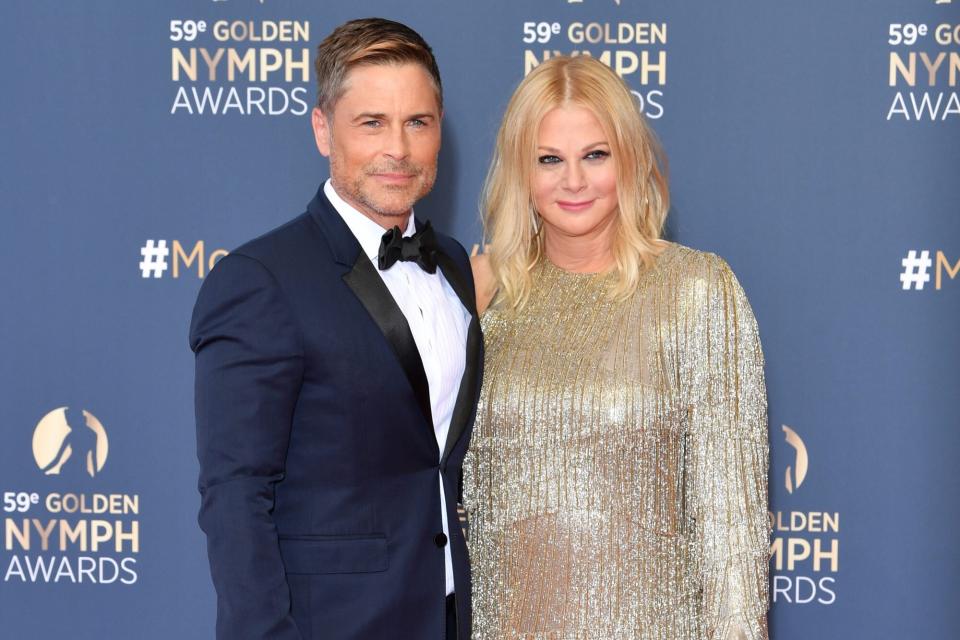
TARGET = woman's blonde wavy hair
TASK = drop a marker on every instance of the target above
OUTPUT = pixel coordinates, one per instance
(511, 223)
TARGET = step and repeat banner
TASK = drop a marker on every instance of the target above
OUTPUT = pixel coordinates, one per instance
(814, 145)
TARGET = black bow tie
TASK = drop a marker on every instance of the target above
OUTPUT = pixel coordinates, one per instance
(421, 248)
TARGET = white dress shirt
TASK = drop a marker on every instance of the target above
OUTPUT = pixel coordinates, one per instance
(438, 322)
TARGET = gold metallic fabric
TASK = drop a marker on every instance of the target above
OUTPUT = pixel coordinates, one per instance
(616, 483)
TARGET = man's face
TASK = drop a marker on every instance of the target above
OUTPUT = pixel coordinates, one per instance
(382, 139)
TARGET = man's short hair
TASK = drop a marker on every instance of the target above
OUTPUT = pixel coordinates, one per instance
(368, 41)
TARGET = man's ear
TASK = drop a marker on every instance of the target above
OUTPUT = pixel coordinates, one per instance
(321, 131)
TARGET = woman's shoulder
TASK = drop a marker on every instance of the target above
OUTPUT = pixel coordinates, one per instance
(684, 266)
(700, 282)
(483, 280)
(696, 279)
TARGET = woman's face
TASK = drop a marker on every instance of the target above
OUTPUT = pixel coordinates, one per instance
(575, 177)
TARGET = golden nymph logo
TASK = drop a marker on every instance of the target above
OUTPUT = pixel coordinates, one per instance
(70, 535)
(243, 67)
(635, 50)
(805, 550)
(924, 68)
(73, 437)
(796, 473)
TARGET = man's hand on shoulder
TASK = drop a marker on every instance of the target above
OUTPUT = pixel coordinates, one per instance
(483, 280)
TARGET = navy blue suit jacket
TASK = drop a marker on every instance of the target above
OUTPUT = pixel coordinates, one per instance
(318, 459)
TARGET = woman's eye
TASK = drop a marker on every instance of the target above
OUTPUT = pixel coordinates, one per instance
(548, 159)
(599, 154)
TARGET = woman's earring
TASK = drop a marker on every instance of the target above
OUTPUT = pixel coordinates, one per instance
(535, 222)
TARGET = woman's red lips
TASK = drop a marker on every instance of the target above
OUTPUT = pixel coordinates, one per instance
(574, 206)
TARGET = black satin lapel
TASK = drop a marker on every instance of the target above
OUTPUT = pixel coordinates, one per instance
(368, 286)
(469, 391)
(457, 283)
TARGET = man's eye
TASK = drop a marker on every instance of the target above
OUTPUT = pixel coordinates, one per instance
(417, 123)
(372, 124)
(548, 160)
(599, 154)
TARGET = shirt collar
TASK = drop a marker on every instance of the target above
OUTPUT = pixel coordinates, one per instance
(367, 232)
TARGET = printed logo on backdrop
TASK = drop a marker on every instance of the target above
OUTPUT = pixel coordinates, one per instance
(157, 258)
(797, 472)
(636, 50)
(240, 67)
(80, 440)
(924, 69)
(917, 265)
(72, 533)
(805, 550)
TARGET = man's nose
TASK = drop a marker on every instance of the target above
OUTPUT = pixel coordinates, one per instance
(397, 146)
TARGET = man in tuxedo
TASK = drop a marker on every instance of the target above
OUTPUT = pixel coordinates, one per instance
(338, 362)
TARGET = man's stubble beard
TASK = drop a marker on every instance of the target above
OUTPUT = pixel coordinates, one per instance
(354, 190)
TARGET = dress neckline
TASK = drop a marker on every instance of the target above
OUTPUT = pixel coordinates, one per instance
(551, 267)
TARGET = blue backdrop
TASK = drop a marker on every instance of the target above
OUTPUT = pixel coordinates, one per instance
(813, 145)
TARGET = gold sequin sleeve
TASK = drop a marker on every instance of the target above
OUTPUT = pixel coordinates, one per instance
(722, 365)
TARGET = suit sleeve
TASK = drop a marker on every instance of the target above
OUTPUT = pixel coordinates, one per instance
(728, 458)
(249, 365)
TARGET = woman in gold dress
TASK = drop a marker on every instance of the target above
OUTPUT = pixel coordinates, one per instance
(616, 482)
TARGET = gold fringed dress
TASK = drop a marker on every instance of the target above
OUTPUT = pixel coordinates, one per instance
(616, 484)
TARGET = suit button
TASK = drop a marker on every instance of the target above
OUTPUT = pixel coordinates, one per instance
(441, 540)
